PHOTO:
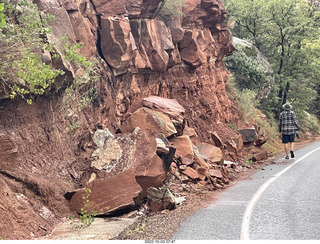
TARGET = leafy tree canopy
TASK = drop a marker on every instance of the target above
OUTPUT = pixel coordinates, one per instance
(287, 33)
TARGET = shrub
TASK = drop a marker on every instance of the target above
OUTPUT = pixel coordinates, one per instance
(309, 122)
(86, 218)
(250, 69)
(22, 41)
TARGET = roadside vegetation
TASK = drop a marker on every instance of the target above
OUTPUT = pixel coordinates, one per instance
(287, 33)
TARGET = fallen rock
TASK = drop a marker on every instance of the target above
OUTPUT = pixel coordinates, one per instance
(238, 142)
(186, 161)
(210, 152)
(123, 154)
(183, 145)
(160, 199)
(170, 107)
(203, 172)
(100, 137)
(260, 141)
(165, 151)
(192, 134)
(108, 195)
(191, 173)
(198, 160)
(215, 173)
(249, 135)
(151, 121)
(216, 139)
(152, 176)
(260, 156)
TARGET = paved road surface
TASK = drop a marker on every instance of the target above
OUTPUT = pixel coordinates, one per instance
(280, 202)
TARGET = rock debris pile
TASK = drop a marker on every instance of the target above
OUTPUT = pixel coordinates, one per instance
(155, 151)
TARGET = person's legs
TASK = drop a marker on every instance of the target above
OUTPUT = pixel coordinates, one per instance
(285, 141)
(286, 149)
(291, 145)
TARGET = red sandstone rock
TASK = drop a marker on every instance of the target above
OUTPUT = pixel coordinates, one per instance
(152, 121)
(156, 41)
(260, 156)
(238, 141)
(215, 173)
(198, 160)
(170, 107)
(190, 51)
(203, 172)
(216, 139)
(160, 198)
(116, 44)
(152, 176)
(183, 145)
(108, 195)
(110, 7)
(186, 161)
(210, 152)
(192, 134)
(191, 173)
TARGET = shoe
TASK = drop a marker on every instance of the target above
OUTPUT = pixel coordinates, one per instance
(292, 154)
(287, 157)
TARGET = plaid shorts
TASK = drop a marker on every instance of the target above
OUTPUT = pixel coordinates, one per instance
(287, 138)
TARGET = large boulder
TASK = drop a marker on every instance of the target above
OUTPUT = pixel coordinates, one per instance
(149, 120)
(160, 198)
(129, 158)
(108, 195)
(249, 135)
(210, 152)
(170, 107)
(216, 139)
(152, 175)
(183, 145)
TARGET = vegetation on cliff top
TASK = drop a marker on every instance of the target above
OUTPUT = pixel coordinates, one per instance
(25, 71)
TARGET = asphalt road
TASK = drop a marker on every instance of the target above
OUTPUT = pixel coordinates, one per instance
(279, 202)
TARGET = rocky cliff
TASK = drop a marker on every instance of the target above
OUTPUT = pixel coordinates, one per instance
(166, 77)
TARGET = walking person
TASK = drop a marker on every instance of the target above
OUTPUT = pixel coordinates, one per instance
(288, 126)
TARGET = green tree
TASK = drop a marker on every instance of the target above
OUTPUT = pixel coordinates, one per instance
(284, 31)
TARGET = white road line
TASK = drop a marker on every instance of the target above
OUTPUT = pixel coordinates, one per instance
(245, 226)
